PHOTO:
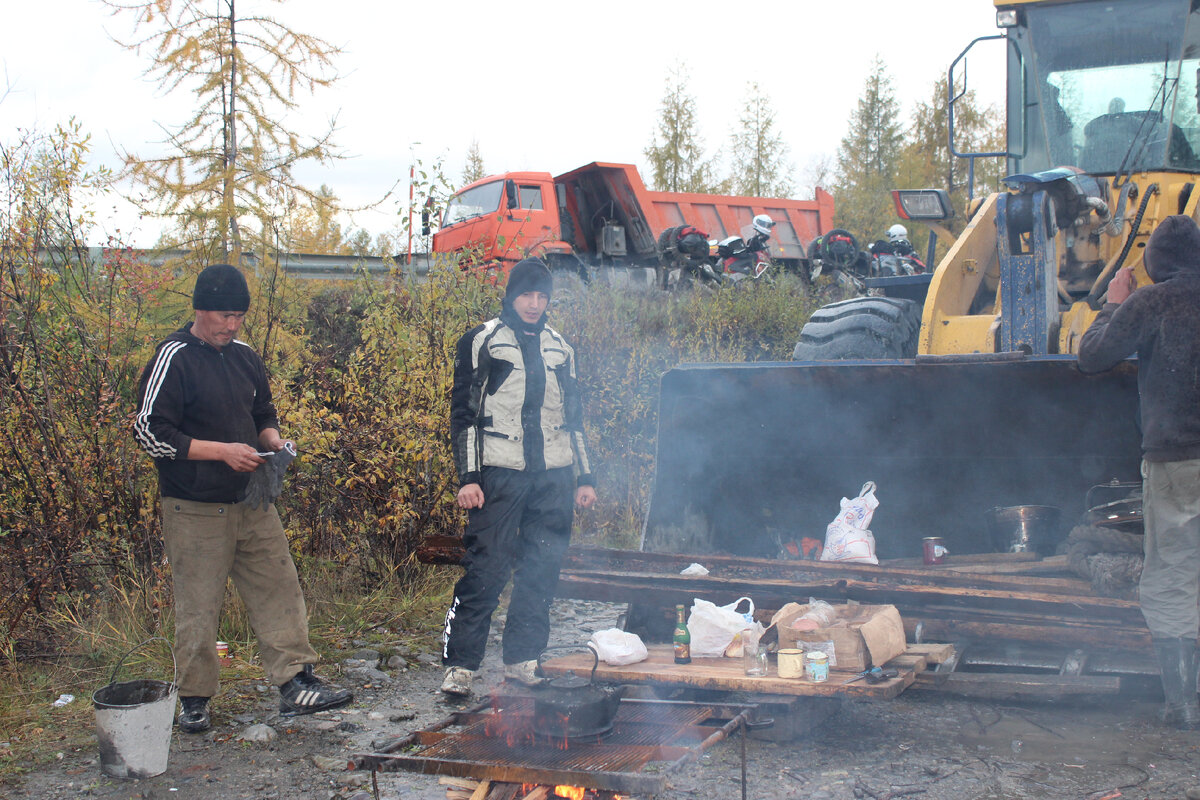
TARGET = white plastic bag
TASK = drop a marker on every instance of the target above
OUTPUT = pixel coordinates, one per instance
(618, 648)
(847, 537)
(713, 627)
(744, 637)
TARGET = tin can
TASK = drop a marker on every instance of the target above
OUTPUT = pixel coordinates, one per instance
(935, 550)
(816, 664)
(223, 652)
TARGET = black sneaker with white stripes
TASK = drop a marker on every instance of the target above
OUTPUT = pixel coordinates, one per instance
(306, 693)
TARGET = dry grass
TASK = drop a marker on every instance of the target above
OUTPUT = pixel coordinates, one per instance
(86, 640)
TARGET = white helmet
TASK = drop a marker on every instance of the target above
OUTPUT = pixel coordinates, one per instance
(763, 224)
(896, 233)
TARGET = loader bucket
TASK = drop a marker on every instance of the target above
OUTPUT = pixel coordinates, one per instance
(751, 456)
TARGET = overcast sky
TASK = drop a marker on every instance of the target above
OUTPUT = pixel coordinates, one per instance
(541, 85)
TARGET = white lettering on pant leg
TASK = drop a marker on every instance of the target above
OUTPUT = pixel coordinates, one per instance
(446, 629)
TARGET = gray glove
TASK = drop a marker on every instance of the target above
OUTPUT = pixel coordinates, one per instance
(266, 482)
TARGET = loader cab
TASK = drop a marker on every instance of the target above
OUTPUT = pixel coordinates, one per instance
(1080, 96)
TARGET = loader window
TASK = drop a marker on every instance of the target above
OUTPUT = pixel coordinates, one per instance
(473, 202)
(1115, 81)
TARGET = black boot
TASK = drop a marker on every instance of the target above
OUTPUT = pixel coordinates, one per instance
(193, 718)
(306, 693)
(1177, 661)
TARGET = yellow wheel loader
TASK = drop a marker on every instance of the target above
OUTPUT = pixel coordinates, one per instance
(958, 392)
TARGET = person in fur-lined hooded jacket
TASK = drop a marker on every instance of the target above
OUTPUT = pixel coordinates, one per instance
(516, 429)
(1161, 324)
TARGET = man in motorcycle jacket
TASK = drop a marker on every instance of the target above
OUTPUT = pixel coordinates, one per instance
(516, 428)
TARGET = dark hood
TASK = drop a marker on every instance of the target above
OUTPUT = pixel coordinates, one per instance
(1173, 249)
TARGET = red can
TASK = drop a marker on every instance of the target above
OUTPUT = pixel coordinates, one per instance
(935, 551)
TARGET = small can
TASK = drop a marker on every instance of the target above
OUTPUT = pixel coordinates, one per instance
(934, 549)
(223, 652)
(816, 664)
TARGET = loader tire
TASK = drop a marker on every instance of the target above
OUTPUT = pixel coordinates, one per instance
(861, 327)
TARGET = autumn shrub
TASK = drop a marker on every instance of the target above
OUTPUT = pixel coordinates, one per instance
(376, 474)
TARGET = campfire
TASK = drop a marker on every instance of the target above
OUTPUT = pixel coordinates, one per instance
(467, 789)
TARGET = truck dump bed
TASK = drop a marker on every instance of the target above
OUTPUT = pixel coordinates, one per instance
(751, 456)
(616, 192)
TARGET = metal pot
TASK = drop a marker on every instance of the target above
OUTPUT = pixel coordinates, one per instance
(1122, 509)
(571, 706)
(1024, 529)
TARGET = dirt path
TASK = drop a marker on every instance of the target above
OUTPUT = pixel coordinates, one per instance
(921, 745)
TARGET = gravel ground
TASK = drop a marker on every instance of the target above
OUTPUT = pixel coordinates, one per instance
(920, 745)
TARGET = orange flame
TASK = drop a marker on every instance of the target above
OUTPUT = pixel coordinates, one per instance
(570, 792)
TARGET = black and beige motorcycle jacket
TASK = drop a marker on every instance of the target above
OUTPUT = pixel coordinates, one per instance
(516, 402)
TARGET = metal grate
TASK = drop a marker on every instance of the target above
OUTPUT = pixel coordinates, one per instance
(499, 744)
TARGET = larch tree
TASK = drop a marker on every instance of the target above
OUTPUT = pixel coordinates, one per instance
(758, 155)
(926, 160)
(474, 169)
(232, 161)
(676, 151)
(868, 160)
(314, 228)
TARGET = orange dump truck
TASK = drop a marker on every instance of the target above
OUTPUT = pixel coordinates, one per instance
(602, 215)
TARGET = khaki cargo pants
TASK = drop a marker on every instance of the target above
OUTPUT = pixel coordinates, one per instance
(1170, 584)
(208, 543)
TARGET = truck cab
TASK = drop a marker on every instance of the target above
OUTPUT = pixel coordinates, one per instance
(501, 219)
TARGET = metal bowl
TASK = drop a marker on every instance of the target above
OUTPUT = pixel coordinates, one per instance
(1024, 529)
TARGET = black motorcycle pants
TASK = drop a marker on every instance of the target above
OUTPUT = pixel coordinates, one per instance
(521, 532)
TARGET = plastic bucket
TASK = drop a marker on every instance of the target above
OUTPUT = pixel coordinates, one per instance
(133, 723)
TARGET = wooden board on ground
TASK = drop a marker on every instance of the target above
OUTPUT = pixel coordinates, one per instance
(725, 674)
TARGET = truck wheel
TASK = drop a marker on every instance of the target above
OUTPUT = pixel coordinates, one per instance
(861, 327)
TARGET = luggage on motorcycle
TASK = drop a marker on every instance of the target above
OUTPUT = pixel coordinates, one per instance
(685, 240)
(730, 246)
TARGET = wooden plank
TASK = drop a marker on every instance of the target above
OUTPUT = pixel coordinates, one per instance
(737, 567)
(868, 591)
(1011, 686)
(725, 674)
(934, 653)
(914, 661)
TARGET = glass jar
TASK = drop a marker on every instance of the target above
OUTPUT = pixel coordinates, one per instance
(754, 659)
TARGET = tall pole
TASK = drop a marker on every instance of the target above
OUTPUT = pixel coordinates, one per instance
(411, 179)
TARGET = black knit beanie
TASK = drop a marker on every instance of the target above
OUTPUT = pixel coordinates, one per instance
(221, 287)
(528, 275)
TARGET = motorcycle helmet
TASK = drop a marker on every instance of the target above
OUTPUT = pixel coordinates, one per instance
(897, 233)
(763, 224)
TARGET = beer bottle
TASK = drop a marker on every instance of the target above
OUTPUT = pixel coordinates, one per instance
(682, 638)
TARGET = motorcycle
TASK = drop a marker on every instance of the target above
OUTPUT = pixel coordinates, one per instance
(740, 258)
(895, 257)
(836, 255)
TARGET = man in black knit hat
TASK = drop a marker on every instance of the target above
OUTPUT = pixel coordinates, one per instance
(1161, 323)
(516, 427)
(206, 415)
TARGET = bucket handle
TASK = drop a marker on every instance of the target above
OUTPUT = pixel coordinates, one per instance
(135, 648)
